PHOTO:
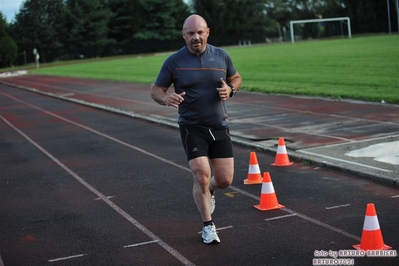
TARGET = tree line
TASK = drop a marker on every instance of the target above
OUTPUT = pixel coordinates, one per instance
(70, 29)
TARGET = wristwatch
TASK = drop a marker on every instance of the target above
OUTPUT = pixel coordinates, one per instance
(233, 91)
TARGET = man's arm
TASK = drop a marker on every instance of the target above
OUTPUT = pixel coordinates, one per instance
(235, 81)
(159, 95)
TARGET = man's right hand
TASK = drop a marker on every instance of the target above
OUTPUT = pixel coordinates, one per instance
(174, 99)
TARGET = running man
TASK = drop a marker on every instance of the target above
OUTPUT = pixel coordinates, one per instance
(204, 77)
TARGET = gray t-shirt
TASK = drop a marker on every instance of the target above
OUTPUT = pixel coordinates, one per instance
(198, 76)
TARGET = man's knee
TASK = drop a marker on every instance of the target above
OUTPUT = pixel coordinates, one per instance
(225, 181)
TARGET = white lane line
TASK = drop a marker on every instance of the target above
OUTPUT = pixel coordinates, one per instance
(133, 221)
(1, 262)
(220, 228)
(280, 217)
(66, 94)
(140, 244)
(338, 206)
(108, 197)
(345, 161)
(307, 218)
(332, 228)
(224, 228)
(396, 196)
(67, 258)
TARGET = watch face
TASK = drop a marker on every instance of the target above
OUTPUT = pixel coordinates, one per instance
(233, 92)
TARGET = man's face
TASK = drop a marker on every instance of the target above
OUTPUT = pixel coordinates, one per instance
(196, 33)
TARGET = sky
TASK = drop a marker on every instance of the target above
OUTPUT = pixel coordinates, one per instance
(9, 8)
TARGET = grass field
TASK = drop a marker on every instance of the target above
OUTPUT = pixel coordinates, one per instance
(365, 68)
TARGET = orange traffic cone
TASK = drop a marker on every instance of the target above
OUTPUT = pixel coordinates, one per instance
(371, 236)
(282, 155)
(268, 198)
(254, 175)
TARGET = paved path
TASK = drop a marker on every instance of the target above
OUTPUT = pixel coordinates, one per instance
(318, 130)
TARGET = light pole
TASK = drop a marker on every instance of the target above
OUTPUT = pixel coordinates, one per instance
(397, 12)
(389, 18)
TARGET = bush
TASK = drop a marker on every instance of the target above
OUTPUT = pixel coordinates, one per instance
(8, 47)
(8, 51)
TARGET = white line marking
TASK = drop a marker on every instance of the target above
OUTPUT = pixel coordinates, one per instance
(345, 161)
(220, 228)
(307, 218)
(66, 94)
(224, 228)
(280, 217)
(396, 196)
(67, 258)
(124, 214)
(1, 262)
(338, 206)
(108, 197)
(140, 244)
(332, 228)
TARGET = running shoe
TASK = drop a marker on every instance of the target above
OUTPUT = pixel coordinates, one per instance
(213, 202)
(209, 235)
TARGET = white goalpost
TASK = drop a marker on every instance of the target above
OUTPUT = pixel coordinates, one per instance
(319, 20)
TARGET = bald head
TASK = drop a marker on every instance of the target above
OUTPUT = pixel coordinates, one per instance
(194, 19)
(195, 33)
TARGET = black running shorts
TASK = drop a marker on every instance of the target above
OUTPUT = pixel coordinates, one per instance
(201, 141)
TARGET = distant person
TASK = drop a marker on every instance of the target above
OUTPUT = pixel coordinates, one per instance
(204, 77)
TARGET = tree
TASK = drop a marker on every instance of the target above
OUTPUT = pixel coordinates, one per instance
(87, 23)
(284, 11)
(233, 20)
(127, 19)
(8, 47)
(39, 24)
(162, 19)
(215, 14)
(367, 15)
(254, 15)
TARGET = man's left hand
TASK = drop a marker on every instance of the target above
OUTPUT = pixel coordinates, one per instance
(224, 90)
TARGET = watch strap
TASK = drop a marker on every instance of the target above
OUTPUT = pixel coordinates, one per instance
(233, 91)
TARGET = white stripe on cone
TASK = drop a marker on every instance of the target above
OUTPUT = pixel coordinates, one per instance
(371, 223)
(253, 169)
(267, 188)
(281, 150)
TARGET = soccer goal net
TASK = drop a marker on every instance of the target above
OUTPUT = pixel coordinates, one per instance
(341, 20)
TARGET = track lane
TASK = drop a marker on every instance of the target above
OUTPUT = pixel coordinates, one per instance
(236, 215)
(156, 157)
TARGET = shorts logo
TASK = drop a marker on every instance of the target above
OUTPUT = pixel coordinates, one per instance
(195, 150)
